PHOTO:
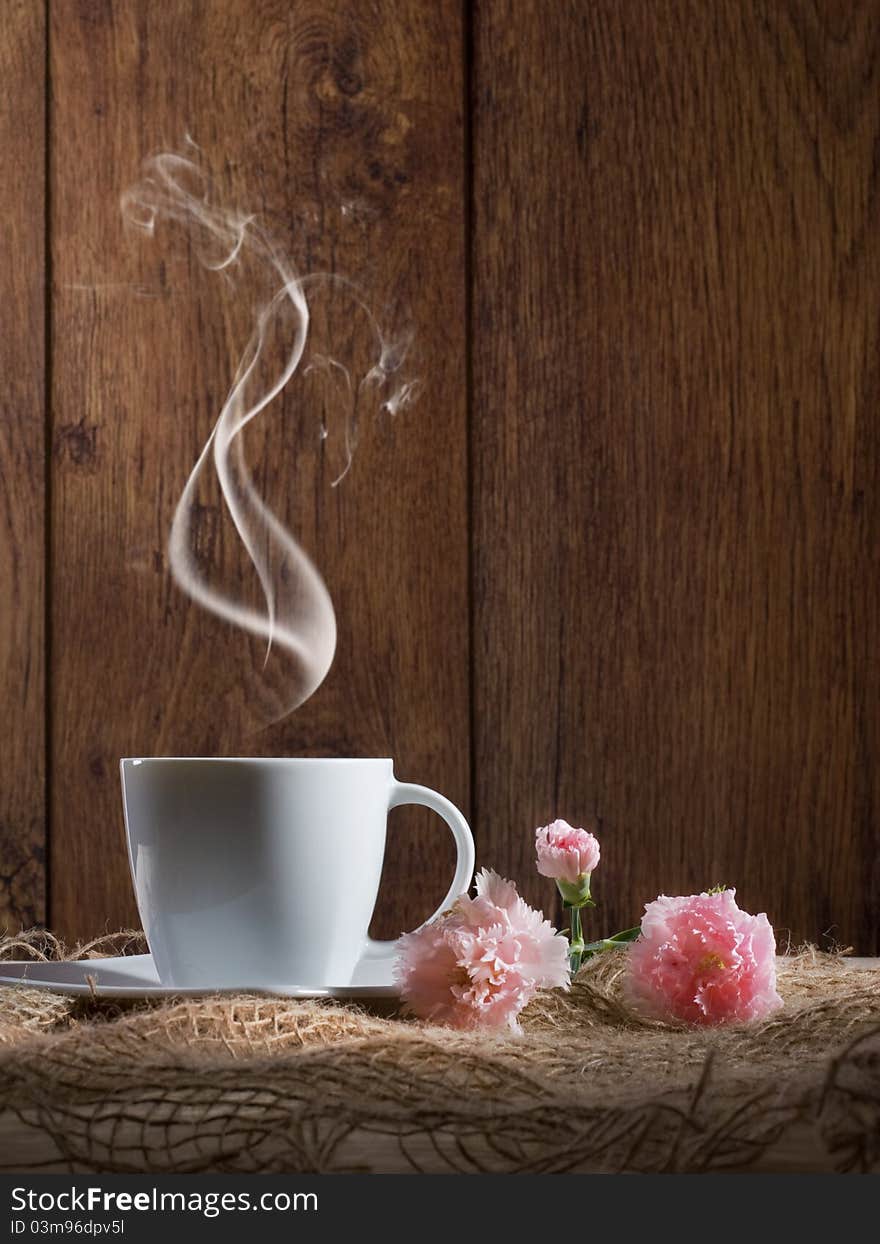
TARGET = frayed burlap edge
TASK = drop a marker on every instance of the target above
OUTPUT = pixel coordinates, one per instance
(250, 1083)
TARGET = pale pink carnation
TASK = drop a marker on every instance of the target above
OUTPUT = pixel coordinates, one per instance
(702, 960)
(564, 852)
(478, 965)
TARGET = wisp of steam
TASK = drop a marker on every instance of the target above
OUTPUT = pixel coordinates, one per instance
(298, 614)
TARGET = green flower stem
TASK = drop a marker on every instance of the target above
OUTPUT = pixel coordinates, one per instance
(609, 943)
(576, 949)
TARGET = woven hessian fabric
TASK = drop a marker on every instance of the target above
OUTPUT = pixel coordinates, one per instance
(250, 1083)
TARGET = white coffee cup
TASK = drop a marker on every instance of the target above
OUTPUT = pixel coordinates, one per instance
(263, 873)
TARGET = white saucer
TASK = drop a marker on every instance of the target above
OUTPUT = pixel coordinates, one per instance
(135, 976)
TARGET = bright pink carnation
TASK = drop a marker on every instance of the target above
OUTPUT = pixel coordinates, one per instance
(564, 852)
(483, 961)
(702, 960)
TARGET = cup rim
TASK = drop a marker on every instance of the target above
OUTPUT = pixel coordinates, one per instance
(288, 760)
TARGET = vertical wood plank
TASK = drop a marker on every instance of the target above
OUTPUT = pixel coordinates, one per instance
(677, 300)
(22, 463)
(342, 124)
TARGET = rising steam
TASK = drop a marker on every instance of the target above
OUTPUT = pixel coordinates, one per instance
(298, 615)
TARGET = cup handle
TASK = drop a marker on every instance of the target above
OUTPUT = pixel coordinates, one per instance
(407, 792)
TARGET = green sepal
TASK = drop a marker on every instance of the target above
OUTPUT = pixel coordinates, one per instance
(575, 894)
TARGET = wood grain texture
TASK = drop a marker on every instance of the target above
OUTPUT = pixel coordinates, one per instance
(22, 463)
(677, 292)
(342, 125)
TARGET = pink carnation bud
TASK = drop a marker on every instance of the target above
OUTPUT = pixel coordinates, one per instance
(482, 962)
(565, 853)
(702, 960)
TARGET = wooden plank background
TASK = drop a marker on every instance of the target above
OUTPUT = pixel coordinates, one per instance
(677, 291)
(307, 111)
(22, 465)
(620, 561)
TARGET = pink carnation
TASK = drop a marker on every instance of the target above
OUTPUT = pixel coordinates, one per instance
(564, 852)
(702, 960)
(483, 961)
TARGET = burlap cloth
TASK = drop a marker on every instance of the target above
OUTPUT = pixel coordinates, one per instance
(256, 1084)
